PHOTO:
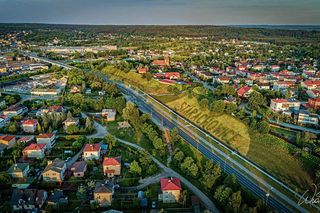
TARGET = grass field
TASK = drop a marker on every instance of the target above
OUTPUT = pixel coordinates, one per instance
(136, 80)
(267, 151)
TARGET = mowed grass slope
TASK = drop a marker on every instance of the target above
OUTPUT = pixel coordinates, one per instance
(268, 151)
(136, 80)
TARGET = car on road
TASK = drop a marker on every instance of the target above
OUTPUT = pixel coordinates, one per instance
(153, 204)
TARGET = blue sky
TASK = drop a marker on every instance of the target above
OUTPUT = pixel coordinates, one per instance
(211, 12)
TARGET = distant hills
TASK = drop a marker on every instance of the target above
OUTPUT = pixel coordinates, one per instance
(282, 27)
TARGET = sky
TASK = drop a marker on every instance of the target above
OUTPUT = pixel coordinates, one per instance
(161, 12)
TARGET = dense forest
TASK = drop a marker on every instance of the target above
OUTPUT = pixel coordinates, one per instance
(257, 33)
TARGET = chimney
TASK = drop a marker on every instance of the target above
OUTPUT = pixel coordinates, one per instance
(49, 162)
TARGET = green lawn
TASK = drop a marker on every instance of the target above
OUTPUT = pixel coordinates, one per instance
(268, 151)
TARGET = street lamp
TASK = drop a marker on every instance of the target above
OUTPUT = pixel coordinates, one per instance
(267, 196)
(225, 162)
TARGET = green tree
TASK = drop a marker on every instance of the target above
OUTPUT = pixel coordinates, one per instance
(234, 202)
(72, 129)
(111, 141)
(222, 194)
(135, 168)
(255, 100)
(5, 180)
(88, 125)
(178, 157)
(263, 127)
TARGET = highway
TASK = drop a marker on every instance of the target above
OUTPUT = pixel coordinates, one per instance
(243, 180)
(255, 184)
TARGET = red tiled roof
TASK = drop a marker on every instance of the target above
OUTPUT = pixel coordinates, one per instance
(30, 122)
(243, 90)
(92, 147)
(25, 138)
(170, 184)
(111, 161)
(45, 135)
(35, 146)
(311, 83)
(7, 137)
(280, 100)
(159, 62)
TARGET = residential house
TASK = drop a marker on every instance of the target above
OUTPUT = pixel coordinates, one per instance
(47, 138)
(313, 93)
(310, 84)
(172, 75)
(8, 140)
(170, 188)
(57, 198)
(265, 86)
(204, 75)
(305, 117)
(55, 171)
(103, 194)
(71, 121)
(109, 114)
(314, 103)
(223, 79)
(143, 70)
(279, 105)
(112, 166)
(79, 168)
(15, 110)
(244, 91)
(280, 85)
(19, 170)
(34, 151)
(30, 125)
(25, 139)
(27, 200)
(275, 68)
(92, 151)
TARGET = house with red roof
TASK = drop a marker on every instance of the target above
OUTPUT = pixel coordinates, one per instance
(244, 91)
(29, 125)
(160, 63)
(34, 151)
(172, 75)
(47, 138)
(143, 70)
(223, 79)
(92, 151)
(25, 139)
(171, 189)
(112, 167)
(280, 105)
(309, 84)
(8, 140)
(314, 103)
